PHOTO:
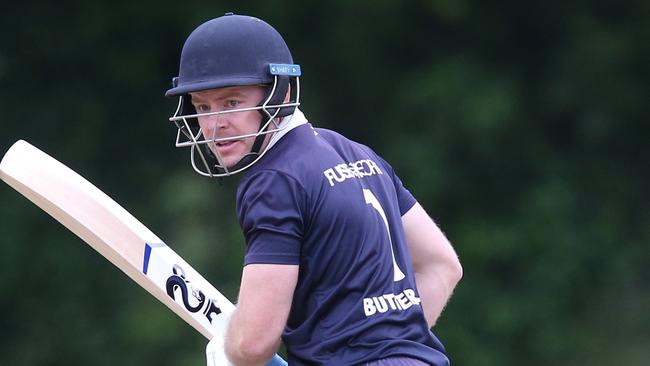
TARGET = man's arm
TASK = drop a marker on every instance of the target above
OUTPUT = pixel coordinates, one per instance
(436, 265)
(263, 307)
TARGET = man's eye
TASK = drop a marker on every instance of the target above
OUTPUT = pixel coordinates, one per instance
(232, 103)
(202, 108)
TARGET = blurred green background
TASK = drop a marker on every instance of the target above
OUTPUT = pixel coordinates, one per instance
(522, 127)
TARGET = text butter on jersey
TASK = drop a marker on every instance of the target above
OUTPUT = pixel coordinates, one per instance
(393, 302)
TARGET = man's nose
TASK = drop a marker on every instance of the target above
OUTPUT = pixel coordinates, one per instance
(220, 122)
(213, 124)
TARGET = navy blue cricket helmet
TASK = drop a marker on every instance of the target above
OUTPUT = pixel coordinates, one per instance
(233, 50)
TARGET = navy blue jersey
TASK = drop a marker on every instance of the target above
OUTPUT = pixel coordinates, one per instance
(334, 207)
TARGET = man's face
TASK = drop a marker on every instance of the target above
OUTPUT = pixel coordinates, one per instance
(229, 124)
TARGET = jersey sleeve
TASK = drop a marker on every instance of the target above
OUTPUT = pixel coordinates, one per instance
(270, 208)
(405, 199)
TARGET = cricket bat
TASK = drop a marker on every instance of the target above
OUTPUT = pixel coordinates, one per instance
(119, 237)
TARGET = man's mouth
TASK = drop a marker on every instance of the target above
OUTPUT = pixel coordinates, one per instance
(225, 143)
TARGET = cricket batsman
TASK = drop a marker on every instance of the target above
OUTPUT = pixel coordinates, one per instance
(342, 264)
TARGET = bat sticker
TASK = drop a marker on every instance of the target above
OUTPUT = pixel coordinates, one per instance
(180, 282)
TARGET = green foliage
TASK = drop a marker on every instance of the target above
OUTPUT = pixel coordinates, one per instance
(522, 128)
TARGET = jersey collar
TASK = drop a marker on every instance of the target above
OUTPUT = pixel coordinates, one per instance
(288, 123)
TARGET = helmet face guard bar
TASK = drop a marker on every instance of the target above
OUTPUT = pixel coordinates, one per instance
(208, 163)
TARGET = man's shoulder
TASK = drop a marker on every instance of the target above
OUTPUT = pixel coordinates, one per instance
(301, 150)
(333, 137)
(313, 157)
(293, 158)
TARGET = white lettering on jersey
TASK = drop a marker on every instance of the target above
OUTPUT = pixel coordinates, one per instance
(358, 169)
(393, 302)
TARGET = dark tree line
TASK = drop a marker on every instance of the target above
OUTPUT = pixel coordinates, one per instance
(522, 127)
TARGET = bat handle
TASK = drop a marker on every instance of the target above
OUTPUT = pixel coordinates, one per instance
(277, 361)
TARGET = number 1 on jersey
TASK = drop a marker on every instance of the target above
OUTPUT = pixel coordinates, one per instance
(398, 275)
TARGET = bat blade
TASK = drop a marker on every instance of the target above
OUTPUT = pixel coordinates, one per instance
(117, 235)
